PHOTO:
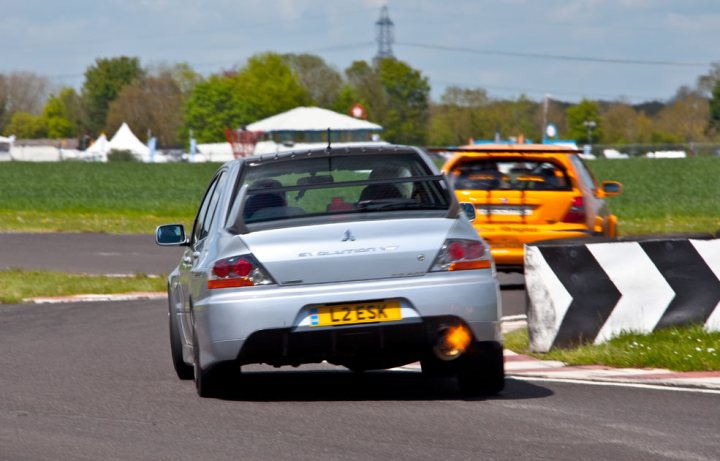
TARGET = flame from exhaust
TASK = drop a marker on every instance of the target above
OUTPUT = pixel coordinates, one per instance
(457, 339)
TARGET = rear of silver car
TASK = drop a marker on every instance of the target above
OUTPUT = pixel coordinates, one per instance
(375, 282)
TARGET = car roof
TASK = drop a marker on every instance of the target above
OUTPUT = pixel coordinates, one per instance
(331, 151)
(557, 153)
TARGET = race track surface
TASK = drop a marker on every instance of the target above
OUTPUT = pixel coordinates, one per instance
(89, 381)
(95, 381)
(87, 253)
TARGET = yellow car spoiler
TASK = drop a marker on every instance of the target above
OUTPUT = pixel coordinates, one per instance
(509, 149)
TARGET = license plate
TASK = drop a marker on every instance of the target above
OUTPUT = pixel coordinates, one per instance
(349, 314)
(505, 211)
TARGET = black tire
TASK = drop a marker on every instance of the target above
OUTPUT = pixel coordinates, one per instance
(482, 370)
(182, 369)
(220, 380)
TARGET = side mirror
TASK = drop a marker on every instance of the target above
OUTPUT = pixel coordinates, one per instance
(469, 210)
(170, 235)
(611, 188)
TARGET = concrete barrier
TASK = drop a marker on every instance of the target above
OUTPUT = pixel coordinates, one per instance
(581, 292)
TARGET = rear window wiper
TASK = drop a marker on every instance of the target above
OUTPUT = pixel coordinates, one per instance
(397, 204)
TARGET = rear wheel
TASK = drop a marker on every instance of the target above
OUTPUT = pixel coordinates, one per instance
(218, 380)
(482, 370)
(183, 370)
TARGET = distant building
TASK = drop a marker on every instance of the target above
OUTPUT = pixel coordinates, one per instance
(35, 150)
(306, 127)
(5, 146)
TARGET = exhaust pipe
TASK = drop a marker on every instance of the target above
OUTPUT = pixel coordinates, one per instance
(452, 342)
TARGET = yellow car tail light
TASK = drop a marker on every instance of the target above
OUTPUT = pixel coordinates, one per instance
(576, 213)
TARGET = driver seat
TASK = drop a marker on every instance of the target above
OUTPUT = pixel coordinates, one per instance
(379, 192)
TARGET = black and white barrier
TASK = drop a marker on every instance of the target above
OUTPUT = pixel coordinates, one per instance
(589, 292)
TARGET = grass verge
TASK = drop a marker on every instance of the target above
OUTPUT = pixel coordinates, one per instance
(101, 222)
(17, 284)
(688, 348)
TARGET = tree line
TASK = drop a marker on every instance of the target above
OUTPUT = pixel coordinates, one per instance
(171, 101)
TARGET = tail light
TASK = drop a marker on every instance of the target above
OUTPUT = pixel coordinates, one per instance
(238, 271)
(459, 255)
(576, 213)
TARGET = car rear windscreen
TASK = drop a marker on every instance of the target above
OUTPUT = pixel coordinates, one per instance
(509, 174)
(327, 186)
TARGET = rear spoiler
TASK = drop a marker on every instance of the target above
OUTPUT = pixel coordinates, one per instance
(504, 150)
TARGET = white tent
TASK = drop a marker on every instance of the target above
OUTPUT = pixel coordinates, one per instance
(124, 139)
(98, 150)
(271, 147)
(311, 119)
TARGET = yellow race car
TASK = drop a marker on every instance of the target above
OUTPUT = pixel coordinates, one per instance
(523, 193)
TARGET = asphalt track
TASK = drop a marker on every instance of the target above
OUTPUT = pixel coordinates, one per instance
(95, 381)
(87, 253)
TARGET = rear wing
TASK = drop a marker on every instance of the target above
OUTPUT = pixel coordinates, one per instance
(508, 149)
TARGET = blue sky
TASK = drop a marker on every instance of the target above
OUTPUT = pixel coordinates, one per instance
(509, 47)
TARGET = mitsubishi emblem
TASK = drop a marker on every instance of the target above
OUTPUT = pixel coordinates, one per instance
(348, 236)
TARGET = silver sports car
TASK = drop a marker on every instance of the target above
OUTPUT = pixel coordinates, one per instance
(360, 257)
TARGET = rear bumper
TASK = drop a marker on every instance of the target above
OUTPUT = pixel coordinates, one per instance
(274, 321)
(384, 346)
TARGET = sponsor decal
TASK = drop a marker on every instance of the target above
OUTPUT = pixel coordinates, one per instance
(348, 251)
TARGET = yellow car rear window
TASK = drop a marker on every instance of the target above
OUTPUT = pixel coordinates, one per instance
(509, 174)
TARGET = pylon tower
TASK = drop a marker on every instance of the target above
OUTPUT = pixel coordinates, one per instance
(384, 35)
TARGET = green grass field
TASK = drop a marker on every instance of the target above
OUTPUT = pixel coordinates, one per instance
(659, 196)
(664, 195)
(99, 197)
